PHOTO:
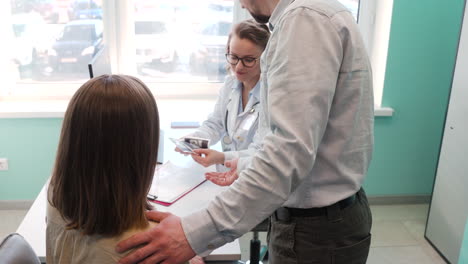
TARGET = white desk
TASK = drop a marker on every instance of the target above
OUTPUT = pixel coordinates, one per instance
(33, 226)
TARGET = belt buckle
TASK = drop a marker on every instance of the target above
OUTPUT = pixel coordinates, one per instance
(282, 214)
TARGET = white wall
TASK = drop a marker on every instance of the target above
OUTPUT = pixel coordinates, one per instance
(449, 206)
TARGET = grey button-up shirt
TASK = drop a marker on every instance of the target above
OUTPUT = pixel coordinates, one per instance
(317, 103)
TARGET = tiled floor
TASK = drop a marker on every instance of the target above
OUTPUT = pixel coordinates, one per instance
(397, 234)
(9, 221)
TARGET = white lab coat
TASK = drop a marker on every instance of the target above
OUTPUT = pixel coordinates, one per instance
(235, 128)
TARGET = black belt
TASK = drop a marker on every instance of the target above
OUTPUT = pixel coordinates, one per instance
(284, 213)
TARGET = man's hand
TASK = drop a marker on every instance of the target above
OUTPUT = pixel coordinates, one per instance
(166, 243)
(210, 157)
(224, 178)
(197, 260)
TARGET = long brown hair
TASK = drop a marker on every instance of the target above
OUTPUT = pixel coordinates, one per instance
(106, 156)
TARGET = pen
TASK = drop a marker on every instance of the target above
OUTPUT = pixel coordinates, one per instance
(152, 197)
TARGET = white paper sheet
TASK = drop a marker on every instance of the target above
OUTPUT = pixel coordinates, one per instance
(172, 181)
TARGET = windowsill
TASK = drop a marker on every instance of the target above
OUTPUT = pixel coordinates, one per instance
(169, 96)
(383, 111)
(56, 108)
(31, 109)
(169, 109)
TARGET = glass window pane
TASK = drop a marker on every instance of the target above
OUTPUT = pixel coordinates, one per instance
(56, 38)
(352, 5)
(182, 40)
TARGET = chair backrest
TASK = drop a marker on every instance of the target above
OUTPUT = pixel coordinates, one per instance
(14, 249)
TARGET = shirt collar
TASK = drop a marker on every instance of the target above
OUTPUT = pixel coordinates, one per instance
(279, 10)
(255, 91)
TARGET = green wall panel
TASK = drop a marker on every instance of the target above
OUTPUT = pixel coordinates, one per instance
(420, 64)
(463, 259)
(30, 146)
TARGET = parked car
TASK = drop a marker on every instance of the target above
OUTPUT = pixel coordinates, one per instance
(30, 41)
(209, 57)
(46, 8)
(155, 45)
(79, 41)
(84, 9)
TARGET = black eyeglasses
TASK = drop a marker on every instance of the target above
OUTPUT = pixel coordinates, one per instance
(248, 62)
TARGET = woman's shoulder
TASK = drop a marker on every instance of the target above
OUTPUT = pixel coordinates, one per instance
(230, 82)
(106, 246)
(128, 233)
(54, 216)
(98, 248)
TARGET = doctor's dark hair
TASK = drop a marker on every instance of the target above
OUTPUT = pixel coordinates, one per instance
(106, 156)
(251, 30)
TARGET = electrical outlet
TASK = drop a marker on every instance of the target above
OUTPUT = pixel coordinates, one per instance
(3, 164)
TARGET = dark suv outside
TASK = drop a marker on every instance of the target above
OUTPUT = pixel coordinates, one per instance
(77, 44)
(84, 9)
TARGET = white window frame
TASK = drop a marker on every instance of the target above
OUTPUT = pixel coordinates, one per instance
(8, 80)
(374, 21)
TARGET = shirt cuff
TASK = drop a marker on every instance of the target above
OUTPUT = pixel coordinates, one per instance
(230, 155)
(201, 232)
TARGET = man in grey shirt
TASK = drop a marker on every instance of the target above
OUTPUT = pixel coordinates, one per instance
(317, 101)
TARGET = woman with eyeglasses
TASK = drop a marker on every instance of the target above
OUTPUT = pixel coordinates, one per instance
(234, 120)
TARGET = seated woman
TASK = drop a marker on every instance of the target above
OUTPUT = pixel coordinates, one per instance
(234, 120)
(103, 171)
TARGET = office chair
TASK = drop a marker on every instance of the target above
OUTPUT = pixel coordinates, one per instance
(14, 249)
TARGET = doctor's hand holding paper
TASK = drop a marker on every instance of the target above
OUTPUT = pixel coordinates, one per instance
(208, 157)
(234, 120)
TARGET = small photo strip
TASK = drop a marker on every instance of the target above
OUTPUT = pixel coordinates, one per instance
(199, 142)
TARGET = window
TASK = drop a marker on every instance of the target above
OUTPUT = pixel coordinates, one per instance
(179, 46)
(351, 5)
(174, 41)
(182, 41)
(374, 21)
(54, 40)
